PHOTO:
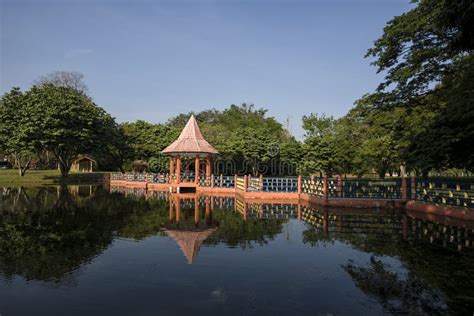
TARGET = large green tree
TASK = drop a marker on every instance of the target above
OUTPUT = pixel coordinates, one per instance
(19, 135)
(418, 48)
(427, 56)
(71, 124)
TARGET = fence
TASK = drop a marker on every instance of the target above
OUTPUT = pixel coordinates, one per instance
(381, 189)
(437, 192)
(443, 192)
(241, 183)
(280, 184)
(312, 186)
(157, 178)
(224, 182)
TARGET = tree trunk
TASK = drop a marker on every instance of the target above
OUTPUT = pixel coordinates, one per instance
(382, 174)
(22, 169)
(424, 174)
(403, 171)
(64, 168)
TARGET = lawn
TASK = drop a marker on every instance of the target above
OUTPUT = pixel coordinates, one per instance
(48, 177)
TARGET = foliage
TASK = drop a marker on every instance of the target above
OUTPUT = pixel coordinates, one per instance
(242, 134)
(421, 46)
(427, 55)
(19, 135)
(70, 123)
(145, 141)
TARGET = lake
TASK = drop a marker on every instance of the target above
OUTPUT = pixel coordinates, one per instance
(92, 250)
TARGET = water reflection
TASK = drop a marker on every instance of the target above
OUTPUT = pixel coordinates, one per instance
(418, 264)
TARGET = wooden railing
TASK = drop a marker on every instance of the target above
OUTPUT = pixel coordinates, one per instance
(222, 181)
(158, 178)
(448, 193)
(380, 189)
(454, 193)
(312, 186)
(204, 181)
(280, 184)
(241, 183)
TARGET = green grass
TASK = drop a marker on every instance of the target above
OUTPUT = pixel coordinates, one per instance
(48, 177)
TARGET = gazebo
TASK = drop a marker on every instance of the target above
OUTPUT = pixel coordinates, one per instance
(190, 144)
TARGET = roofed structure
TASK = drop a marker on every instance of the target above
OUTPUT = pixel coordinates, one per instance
(190, 144)
(190, 141)
(84, 164)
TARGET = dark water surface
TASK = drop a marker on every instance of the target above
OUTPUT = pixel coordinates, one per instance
(85, 251)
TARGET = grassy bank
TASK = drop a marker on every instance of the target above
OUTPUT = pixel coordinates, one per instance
(48, 177)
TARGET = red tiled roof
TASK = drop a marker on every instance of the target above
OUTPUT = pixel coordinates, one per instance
(190, 141)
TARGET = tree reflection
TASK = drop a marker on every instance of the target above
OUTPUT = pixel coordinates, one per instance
(45, 233)
(398, 296)
(48, 233)
(235, 232)
(429, 265)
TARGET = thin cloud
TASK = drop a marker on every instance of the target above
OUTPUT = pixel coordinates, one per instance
(77, 52)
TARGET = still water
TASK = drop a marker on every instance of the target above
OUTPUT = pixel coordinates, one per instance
(94, 251)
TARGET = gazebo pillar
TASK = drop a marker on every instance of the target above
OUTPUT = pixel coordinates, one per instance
(178, 169)
(186, 166)
(171, 168)
(196, 169)
(208, 166)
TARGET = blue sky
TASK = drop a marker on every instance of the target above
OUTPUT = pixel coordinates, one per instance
(152, 60)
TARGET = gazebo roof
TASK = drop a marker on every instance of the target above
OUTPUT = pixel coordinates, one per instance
(190, 141)
(189, 241)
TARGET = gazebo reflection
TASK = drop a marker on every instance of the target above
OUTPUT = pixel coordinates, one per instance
(189, 231)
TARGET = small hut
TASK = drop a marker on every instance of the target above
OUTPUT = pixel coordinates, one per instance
(84, 164)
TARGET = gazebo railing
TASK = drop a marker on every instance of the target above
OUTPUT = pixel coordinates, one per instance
(136, 177)
(158, 178)
(240, 183)
(221, 181)
(204, 181)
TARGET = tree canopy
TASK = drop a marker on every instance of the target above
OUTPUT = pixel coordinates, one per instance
(419, 119)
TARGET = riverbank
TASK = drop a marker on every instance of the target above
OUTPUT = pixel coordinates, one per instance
(49, 177)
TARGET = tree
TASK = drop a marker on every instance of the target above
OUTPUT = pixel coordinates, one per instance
(112, 150)
(146, 141)
(18, 133)
(418, 48)
(427, 55)
(318, 146)
(67, 79)
(70, 123)
(447, 137)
